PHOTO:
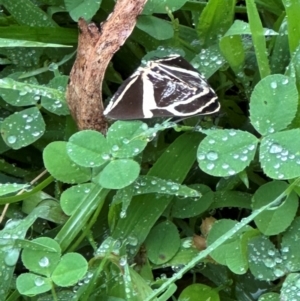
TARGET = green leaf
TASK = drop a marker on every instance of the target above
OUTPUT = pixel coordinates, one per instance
(162, 242)
(20, 98)
(11, 188)
(237, 253)
(159, 7)
(126, 139)
(57, 106)
(46, 35)
(185, 254)
(82, 8)
(273, 105)
(242, 28)
(233, 45)
(25, 12)
(289, 289)
(265, 261)
(194, 291)
(136, 284)
(148, 184)
(208, 61)
(279, 155)
(276, 219)
(269, 297)
(290, 246)
(220, 254)
(280, 56)
(22, 128)
(71, 268)
(155, 27)
(30, 284)
(88, 148)
(185, 207)
(226, 152)
(42, 262)
(119, 173)
(72, 197)
(36, 90)
(233, 198)
(232, 49)
(24, 43)
(10, 245)
(60, 166)
(214, 21)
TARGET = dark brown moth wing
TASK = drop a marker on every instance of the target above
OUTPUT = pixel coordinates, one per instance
(168, 87)
(124, 103)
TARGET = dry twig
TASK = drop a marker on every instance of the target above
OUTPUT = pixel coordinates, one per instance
(95, 50)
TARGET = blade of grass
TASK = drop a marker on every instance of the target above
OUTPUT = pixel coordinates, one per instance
(258, 38)
(78, 220)
(220, 241)
(292, 8)
(215, 20)
(144, 210)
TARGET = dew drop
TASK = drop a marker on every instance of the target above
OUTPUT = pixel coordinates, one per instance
(132, 240)
(210, 166)
(123, 261)
(278, 272)
(273, 85)
(44, 262)
(212, 156)
(201, 156)
(123, 214)
(271, 252)
(11, 257)
(269, 263)
(39, 281)
(275, 148)
(35, 134)
(105, 156)
(115, 148)
(144, 127)
(174, 187)
(11, 139)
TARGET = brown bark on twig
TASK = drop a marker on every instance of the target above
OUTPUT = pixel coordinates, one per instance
(95, 50)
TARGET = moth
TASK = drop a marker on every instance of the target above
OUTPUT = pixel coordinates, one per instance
(166, 87)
